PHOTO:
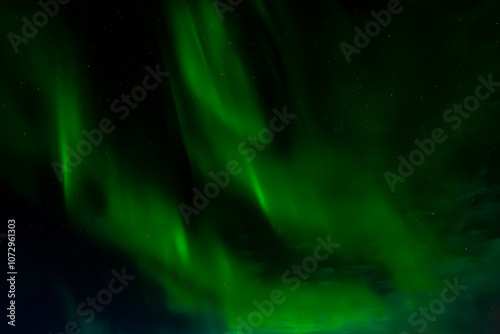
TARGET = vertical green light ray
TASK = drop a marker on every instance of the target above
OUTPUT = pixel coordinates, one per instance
(63, 100)
(212, 76)
(257, 189)
(69, 124)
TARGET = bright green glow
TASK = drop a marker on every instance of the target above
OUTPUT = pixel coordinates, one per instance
(295, 198)
(257, 189)
(69, 124)
(216, 113)
(317, 189)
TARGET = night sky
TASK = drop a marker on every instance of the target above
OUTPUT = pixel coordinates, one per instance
(238, 166)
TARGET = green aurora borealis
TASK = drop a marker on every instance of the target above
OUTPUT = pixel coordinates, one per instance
(323, 175)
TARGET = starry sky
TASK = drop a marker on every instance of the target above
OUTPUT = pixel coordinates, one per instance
(174, 166)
